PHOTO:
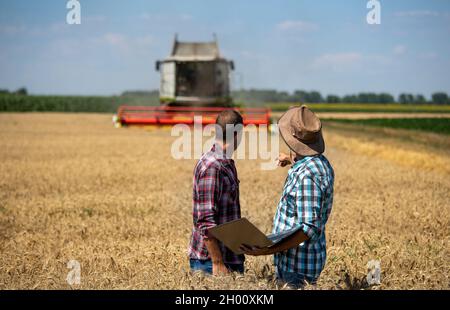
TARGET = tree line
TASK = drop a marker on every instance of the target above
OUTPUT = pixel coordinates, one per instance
(274, 96)
(21, 101)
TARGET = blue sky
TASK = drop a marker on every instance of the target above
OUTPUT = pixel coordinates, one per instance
(285, 45)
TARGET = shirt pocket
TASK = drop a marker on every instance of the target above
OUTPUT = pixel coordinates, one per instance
(289, 202)
(291, 209)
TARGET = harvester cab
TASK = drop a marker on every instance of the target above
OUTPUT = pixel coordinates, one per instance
(195, 74)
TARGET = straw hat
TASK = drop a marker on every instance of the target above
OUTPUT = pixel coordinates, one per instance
(301, 129)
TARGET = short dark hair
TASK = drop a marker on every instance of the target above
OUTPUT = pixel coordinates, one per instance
(227, 117)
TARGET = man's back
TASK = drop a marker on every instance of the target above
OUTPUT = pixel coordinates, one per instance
(215, 201)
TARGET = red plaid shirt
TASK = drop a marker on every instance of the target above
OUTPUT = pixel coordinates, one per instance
(215, 201)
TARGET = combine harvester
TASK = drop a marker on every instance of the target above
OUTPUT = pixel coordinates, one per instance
(194, 82)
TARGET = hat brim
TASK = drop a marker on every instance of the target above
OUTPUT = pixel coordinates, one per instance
(300, 148)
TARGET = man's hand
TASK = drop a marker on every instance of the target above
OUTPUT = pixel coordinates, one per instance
(219, 268)
(255, 251)
(290, 242)
(284, 160)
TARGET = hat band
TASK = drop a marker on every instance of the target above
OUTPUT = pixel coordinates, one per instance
(309, 137)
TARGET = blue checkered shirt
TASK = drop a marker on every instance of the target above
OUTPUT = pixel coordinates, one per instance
(305, 203)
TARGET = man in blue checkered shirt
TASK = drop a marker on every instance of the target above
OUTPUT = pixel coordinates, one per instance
(305, 203)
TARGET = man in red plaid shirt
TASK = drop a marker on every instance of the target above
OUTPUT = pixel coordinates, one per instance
(216, 199)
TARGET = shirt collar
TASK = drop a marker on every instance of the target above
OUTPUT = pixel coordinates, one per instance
(300, 162)
(219, 154)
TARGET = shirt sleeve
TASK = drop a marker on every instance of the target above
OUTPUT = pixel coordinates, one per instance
(208, 186)
(309, 203)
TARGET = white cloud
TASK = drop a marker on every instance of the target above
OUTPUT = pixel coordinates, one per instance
(94, 19)
(423, 13)
(11, 29)
(400, 50)
(146, 16)
(337, 61)
(59, 27)
(145, 41)
(428, 55)
(166, 18)
(251, 55)
(186, 17)
(297, 25)
(53, 28)
(90, 48)
(115, 39)
(127, 44)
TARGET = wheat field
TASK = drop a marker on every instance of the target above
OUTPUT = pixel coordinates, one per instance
(74, 187)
